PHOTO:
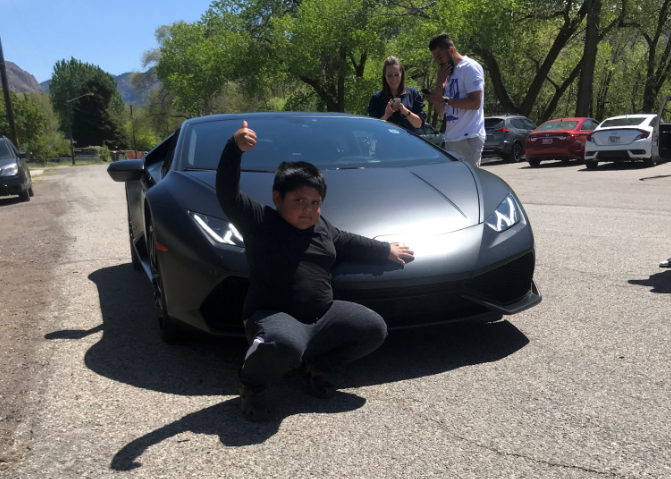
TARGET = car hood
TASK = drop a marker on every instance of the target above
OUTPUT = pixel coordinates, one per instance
(422, 200)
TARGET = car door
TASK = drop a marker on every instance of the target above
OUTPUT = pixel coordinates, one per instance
(136, 191)
(661, 135)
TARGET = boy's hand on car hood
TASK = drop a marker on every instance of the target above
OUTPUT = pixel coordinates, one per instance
(399, 254)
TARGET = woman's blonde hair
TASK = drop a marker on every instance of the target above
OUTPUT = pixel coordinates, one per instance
(392, 61)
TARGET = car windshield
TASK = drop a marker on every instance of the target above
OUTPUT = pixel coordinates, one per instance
(630, 121)
(5, 151)
(327, 142)
(557, 125)
(491, 123)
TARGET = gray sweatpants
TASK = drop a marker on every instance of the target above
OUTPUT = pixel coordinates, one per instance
(279, 342)
(470, 149)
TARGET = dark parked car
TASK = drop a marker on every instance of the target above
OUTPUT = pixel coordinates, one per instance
(506, 136)
(562, 139)
(14, 174)
(474, 249)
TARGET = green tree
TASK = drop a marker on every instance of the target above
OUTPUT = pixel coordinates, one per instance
(29, 120)
(95, 120)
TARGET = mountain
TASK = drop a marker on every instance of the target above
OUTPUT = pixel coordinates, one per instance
(21, 81)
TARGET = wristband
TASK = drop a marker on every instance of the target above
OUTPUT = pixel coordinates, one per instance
(446, 100)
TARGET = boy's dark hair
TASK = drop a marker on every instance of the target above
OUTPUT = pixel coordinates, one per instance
(291, 175)
(442, 41)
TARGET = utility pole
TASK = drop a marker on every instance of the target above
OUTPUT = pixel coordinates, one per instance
(132, 123)
(68, 101)
(8, 101)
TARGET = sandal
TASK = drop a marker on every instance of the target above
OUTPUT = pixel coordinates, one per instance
(318, 381)
(254, 405)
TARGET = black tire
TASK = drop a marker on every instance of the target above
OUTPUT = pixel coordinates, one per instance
(25, 195)
(170, 332)
(518, 153)
(31, 193)
(135, 259)
(591, 164)
(534, 162)
(650, 162)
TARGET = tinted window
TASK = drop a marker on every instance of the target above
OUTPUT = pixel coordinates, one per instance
(631, 121)
(557, 125)
(517, 123)
(326, 142)
(493, 123)
(6, 151)
(588, 125)
(530, 125)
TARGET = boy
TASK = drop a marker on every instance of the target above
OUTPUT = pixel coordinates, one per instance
(290, 317)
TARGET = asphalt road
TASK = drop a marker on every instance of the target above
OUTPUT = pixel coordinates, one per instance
(577, 387)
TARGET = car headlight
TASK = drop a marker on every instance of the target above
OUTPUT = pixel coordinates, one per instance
(9, 170)
(219, 230)
(505, 216)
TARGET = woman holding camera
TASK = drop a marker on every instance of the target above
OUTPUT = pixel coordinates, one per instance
(397, 103)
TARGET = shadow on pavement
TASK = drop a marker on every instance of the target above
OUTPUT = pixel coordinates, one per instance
(12, 200)
(627, 165)
(224, 420)
(552, 164)
(659, 282)
(131, 352)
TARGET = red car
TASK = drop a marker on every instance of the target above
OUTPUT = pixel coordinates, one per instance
(559, 140)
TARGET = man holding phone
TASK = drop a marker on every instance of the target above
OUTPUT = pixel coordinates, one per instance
(459, 94)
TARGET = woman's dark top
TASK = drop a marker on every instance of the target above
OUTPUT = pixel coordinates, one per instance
(412, 100)
(289, 268)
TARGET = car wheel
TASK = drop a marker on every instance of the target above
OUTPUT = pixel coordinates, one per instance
(591, 164)
(649, 162)
(135, 259)
(25, 195)
(518, 152)
(170, 332)
(30, 190)
(534, 162)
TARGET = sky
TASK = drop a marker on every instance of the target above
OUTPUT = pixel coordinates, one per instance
(113, 34)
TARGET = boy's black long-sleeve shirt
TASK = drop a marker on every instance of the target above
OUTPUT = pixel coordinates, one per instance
(289, 268)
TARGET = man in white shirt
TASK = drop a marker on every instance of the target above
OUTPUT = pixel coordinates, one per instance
(459, 94)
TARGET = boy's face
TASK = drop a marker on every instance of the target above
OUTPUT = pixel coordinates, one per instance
(300, 208)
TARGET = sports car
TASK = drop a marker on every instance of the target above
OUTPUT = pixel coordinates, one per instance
(474, 248)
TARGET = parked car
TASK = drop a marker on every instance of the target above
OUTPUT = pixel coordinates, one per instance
(622, 138)
(661, 136)
(432, 135)
(506, 135)
(14, 174)
(474, 249)
(559, 140)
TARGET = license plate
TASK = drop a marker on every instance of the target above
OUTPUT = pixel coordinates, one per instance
(613, 139)
(547, 141)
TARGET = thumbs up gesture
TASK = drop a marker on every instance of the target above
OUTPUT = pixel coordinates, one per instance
(245, 138)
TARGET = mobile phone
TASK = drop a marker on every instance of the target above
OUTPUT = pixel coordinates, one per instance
(426, 91)
(397, 101)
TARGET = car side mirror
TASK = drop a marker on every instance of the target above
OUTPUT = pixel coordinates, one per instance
(126, 170)
(22, 154)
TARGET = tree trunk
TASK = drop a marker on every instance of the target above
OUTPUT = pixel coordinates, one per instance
(586, 82)
(341, 80)
(550, 109)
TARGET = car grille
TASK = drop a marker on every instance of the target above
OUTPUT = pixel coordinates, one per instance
(440, 302)
(612, 155)
(222, 309)
(505, 284)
